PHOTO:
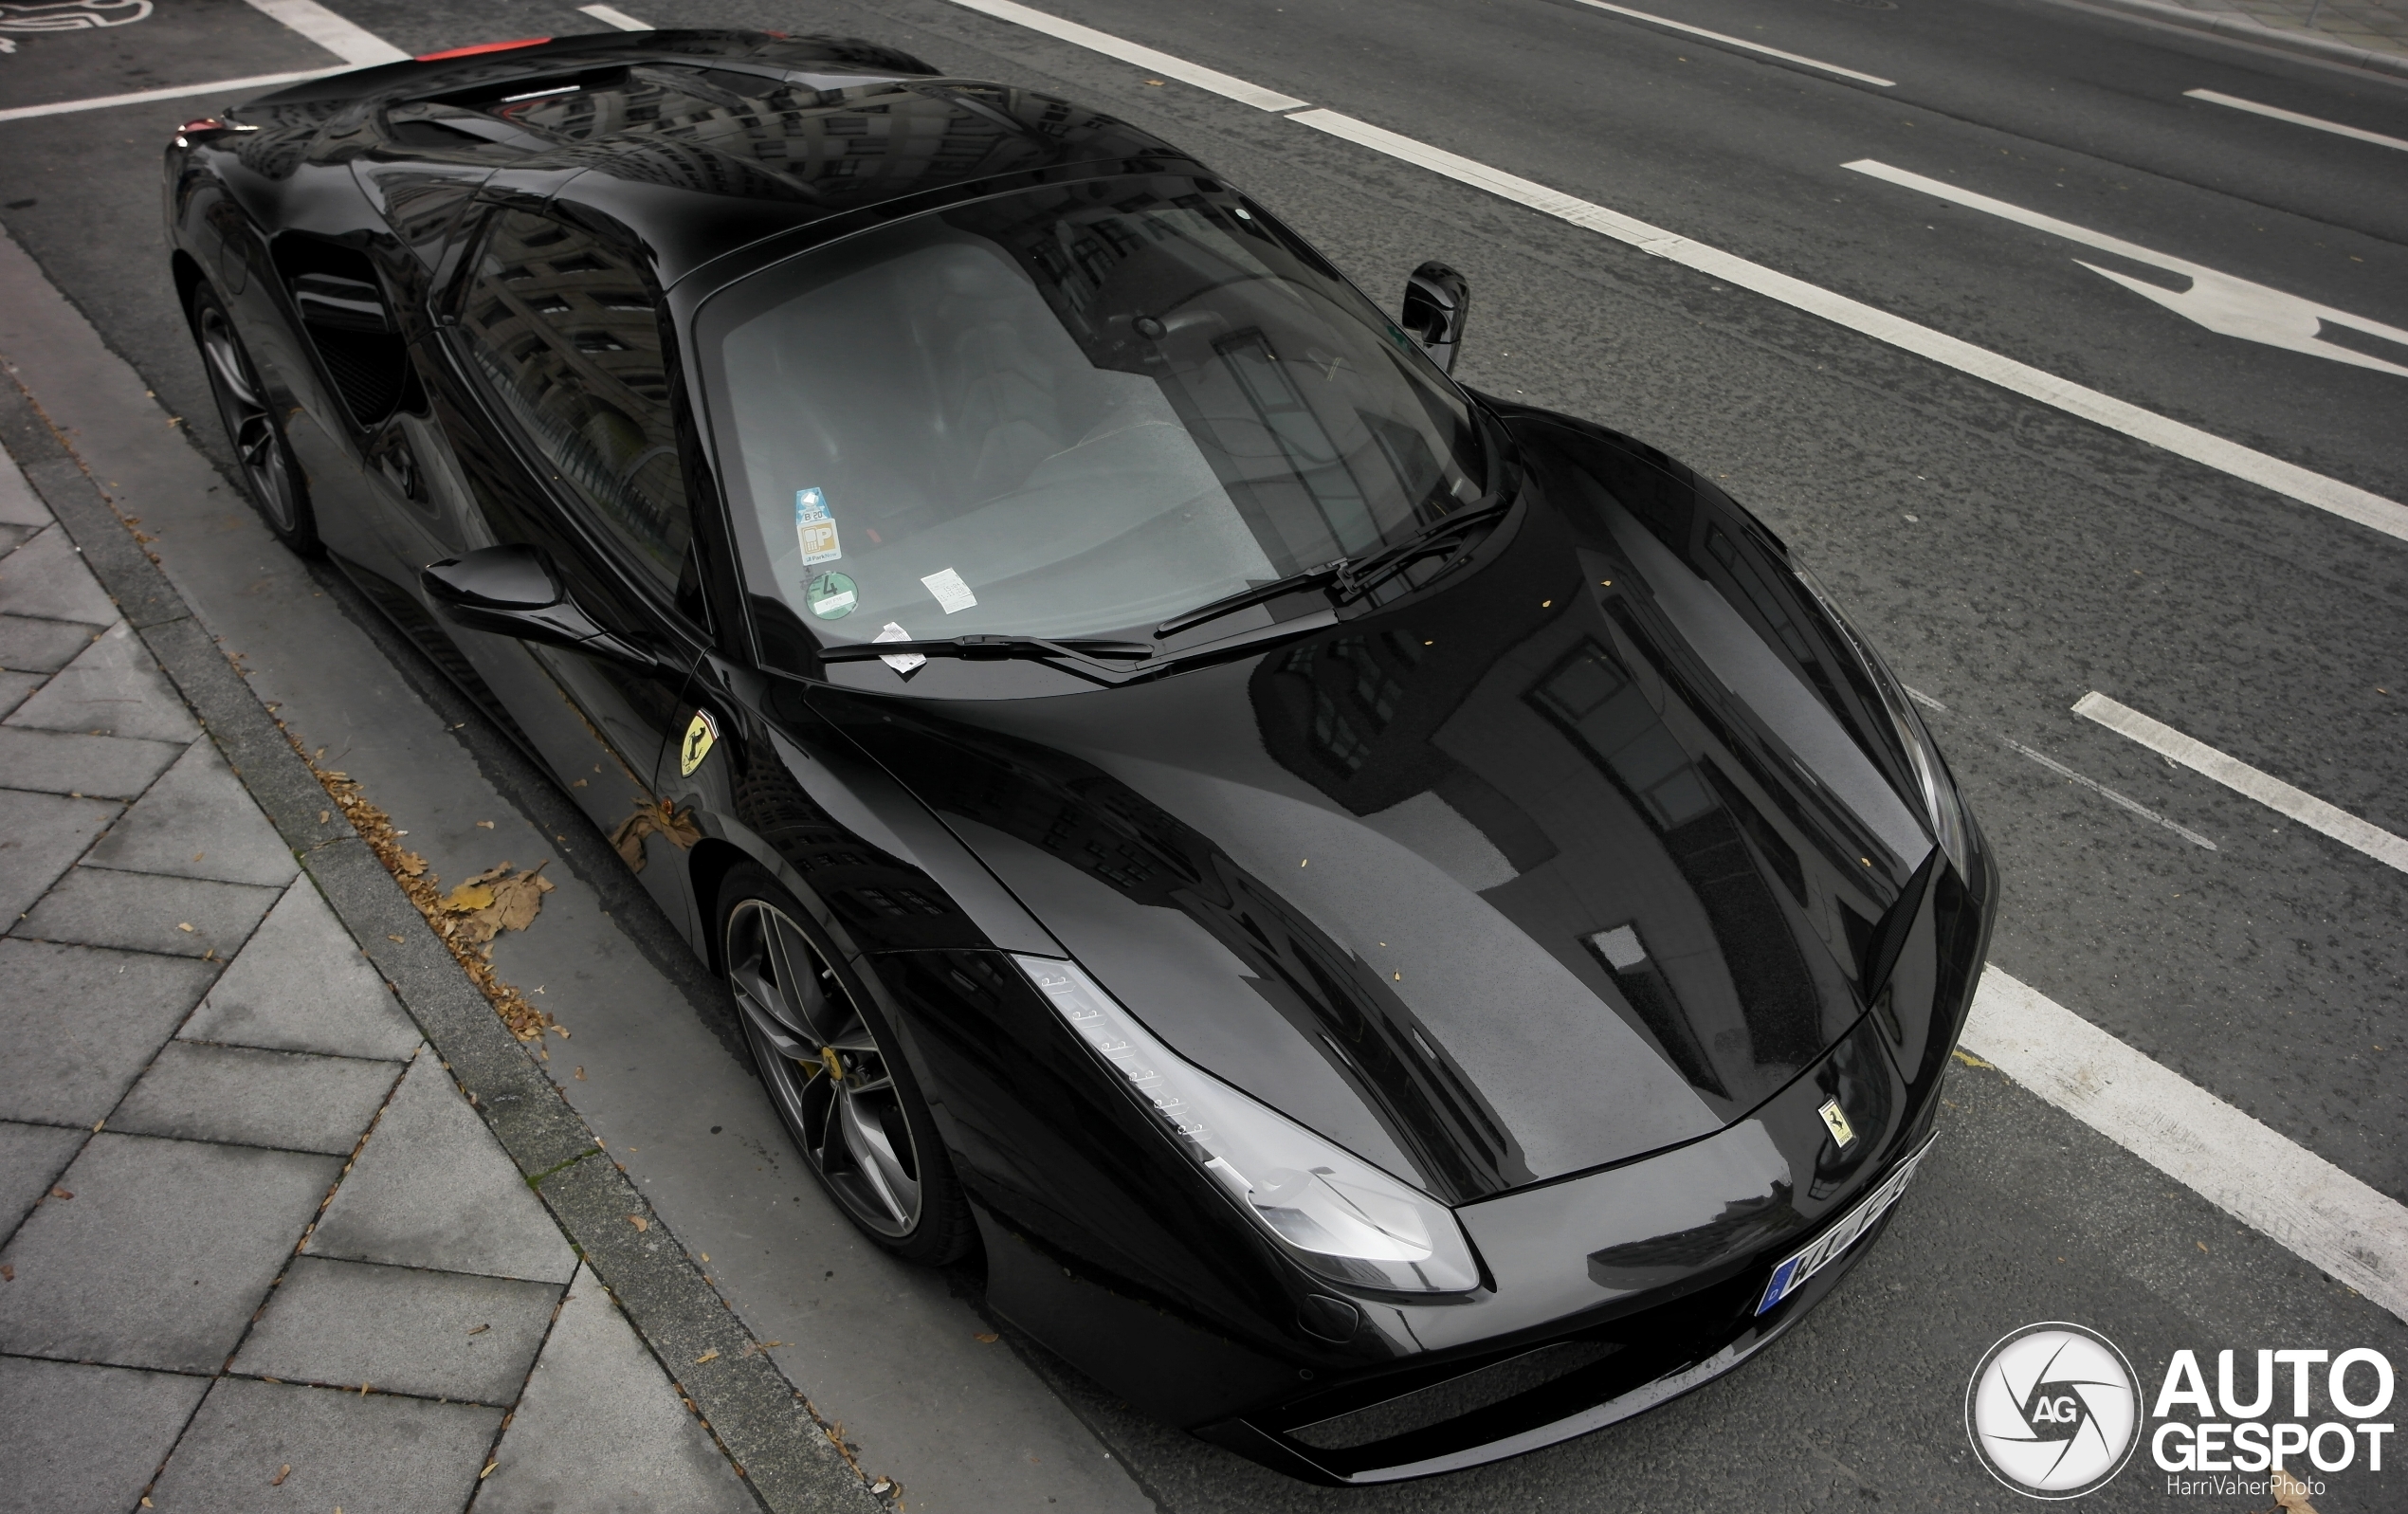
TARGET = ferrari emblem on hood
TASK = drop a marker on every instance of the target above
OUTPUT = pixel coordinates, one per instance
(1836, 1120)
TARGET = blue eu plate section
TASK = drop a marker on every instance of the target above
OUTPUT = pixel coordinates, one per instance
(1792, 1274)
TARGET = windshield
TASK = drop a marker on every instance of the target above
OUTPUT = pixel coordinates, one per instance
(1070, 412)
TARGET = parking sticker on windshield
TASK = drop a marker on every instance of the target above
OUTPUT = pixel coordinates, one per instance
(815, 528)
(901, 661)
(830, 595)
(953, 595)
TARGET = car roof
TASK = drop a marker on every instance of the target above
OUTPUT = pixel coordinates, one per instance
(703, 143)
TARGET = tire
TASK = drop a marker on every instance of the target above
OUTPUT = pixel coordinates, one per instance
(262, 457)
(833, 1069)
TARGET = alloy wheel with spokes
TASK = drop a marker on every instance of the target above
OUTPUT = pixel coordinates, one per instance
(831, 1078)
(260, 449)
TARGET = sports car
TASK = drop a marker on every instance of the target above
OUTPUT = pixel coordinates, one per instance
(1397, 927)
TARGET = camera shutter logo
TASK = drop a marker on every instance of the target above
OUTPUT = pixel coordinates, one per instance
(2054, 1410)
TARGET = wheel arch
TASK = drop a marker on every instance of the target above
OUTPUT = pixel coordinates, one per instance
(186, 269)
(712, 859)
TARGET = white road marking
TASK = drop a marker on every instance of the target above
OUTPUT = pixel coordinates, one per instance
(613, 16)
(2347, 500)
(2295, 118)
(2329, 1218)
(2108, 795)
(2062, 771)
(356, 48)
(2225, 305)
(2241, 778)
(1740, 42)
(140, 97)
(354, 44)
(1130, 52)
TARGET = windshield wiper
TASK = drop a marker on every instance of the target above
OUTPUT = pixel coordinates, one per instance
(1087, 650)
(1358, 578)
(1295, 583)
(1352, 577)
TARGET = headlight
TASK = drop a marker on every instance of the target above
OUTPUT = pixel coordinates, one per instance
(1939, 800)
(1335, 1213)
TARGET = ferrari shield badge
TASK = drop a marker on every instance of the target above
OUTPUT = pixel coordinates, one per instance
(1835, 1118)
(700, 738)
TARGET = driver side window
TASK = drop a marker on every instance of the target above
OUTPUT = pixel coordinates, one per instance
(564, 331)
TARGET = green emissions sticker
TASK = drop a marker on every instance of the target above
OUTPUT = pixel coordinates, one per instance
(830, 595)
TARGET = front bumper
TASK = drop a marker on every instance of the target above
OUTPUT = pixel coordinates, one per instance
(1631, 1367)
(1579, 1334)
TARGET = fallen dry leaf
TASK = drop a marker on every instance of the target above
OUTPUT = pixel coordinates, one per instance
(664, 818)
(484, 824)
(7, 1273)
(184, 927)
(712, 1355)
(481, 1329)
(2291, 1494)
(580, 1074)
(639, 1222)
(376, 828)
(396, 940)
(987, 1339)
(481, 1476)
(499, 898)
(325, 816)
(61, 1192)
(283, 1473)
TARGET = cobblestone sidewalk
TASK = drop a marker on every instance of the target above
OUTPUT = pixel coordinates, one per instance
(2378, 26)
(2369, 33)
(256, 1251)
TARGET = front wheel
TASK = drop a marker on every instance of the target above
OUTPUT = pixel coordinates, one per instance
(830, 1064)
(262, 455)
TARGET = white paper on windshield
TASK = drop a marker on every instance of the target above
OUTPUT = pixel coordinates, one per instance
(952, 593)
(815, 528)
(902, 661)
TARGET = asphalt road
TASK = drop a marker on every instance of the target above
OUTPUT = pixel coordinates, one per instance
(2007, 557)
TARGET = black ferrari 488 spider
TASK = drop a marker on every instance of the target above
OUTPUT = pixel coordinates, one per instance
(1401, 926)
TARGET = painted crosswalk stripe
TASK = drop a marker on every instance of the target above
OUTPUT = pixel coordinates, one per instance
(2259, 1176)
(613, 16)
(2240, 778)
(354, 44)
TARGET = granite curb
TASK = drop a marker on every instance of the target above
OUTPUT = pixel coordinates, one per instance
(756, 1413)
(2234, 27)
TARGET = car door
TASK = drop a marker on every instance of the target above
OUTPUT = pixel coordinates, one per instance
(554, 426)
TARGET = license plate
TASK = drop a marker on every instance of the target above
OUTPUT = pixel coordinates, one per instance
(1792, 1274)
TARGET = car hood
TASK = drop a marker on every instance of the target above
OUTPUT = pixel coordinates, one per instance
(1575, 857)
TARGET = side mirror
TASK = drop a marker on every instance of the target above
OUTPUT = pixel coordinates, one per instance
(514, 591)
(1437, 303)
